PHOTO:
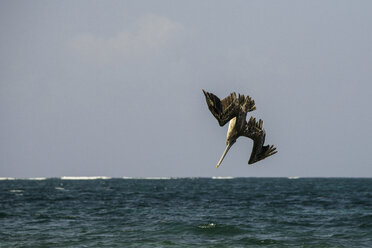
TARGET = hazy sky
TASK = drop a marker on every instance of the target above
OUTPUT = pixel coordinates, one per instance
(113, 88)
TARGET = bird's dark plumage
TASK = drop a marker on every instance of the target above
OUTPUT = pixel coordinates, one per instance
(235, 109)
(223, 110)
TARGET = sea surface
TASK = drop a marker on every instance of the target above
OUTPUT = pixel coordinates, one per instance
(186, 212)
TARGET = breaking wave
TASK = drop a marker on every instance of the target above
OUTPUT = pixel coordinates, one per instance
(84, 178)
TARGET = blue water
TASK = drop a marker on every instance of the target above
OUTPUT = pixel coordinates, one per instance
(200, 212)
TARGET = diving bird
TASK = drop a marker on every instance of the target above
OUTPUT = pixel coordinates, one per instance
(234, 109)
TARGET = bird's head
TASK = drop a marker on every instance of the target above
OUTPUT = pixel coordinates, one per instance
(231, 141)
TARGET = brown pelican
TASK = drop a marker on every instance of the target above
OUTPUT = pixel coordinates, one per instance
(235, 109)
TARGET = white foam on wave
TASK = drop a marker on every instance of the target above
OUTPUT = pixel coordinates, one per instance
(59, 188)
(85, 178)
(222, 177)
(16, 190)
(36, 178)
(210, 225)
(293, 177)
(30, 178)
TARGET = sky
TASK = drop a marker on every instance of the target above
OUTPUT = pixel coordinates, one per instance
(114, 88)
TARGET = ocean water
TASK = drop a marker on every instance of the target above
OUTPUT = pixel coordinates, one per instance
(186, 212)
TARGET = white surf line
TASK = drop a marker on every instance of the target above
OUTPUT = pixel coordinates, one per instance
(7, 178)
(84, 178)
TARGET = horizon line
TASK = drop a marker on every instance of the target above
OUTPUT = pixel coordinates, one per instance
(168, 178)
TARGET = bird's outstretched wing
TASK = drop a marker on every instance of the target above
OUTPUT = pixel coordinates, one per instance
(224, 110)
(255, 131)
(246, 103)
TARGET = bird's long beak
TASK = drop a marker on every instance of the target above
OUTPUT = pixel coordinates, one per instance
(224, 154)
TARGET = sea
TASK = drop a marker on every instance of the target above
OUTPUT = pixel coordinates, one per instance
(185, 212)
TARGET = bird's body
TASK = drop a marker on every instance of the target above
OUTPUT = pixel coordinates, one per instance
(234, 110)
(231, 130)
